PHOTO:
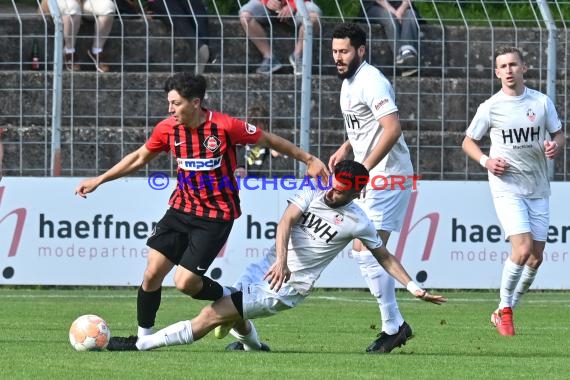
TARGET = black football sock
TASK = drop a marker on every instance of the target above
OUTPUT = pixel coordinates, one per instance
(211, 290)
(147, 307)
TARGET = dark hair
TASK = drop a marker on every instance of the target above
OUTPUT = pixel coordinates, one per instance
(187, 85)
(352, 31)
(351, 174)
(502, 50)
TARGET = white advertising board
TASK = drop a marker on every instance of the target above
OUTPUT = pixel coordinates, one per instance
(451, 237)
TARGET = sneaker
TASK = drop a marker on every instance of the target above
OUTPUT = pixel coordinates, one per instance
(408, 62)
(203, 58)
(297, 64)
(406, 57)
(98, 61)
(119, 343)
(409, 71)
(221, 331)
(268, 65)
(238, 346)
(386, 343)
(70, 62)
(504, 321)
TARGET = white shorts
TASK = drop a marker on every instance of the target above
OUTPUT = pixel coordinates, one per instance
(91, 7)
(522, 215)
(260, 301)
(386, 208)
(257, 10)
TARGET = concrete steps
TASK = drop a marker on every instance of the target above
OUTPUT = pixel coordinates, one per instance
(146, 45)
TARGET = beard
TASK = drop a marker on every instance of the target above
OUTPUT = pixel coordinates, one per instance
(351, 69)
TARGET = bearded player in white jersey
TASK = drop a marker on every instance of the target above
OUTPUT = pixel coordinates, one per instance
(314, 228)
(375, 139)
(518, 120)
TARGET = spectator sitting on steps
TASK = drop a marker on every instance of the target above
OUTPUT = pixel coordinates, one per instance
(103, 12)
(257, 12)
(400, 22)
(186, 18)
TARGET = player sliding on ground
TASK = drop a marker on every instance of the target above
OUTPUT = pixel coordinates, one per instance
(314, 228)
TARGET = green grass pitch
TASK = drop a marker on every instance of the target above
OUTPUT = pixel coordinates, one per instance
(324, 338)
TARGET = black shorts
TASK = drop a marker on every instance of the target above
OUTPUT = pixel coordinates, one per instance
(189, 241)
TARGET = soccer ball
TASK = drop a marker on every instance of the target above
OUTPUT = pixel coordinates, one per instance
(89, 333)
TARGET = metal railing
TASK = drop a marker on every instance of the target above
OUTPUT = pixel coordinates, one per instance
(106, 115)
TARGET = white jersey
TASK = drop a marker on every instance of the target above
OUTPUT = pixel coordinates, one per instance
(320, 234)
(364, 98)
(518, 126)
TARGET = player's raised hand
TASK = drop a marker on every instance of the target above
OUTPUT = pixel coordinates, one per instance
(424, 295)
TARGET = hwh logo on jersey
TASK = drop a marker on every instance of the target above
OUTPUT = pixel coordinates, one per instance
(521, 135)
(320, 227)
(351, 121)
(202, 164)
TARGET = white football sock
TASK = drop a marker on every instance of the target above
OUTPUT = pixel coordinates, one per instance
(383, 288)
(509, 280)
(175, 334)
(250, 341)
(527, 278)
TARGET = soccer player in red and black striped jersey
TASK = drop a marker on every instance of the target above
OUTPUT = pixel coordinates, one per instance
(205, 202)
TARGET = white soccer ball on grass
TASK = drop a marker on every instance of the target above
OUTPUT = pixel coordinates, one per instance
(89, 333)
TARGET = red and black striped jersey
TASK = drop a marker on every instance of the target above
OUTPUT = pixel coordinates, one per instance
(206, 159)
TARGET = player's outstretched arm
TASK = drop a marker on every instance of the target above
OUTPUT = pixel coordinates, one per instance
(130, 163)
(396, 270)
(279, 272)
(315, 167)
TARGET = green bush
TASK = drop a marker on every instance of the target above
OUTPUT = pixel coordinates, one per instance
(496, 12)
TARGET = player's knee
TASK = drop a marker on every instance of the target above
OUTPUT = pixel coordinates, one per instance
(245, 18)
(190, 285)
(151, 279)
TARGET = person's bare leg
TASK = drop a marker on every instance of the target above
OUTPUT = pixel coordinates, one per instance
(256, 34)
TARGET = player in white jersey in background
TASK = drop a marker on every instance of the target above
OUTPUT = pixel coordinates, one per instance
(375, 138)
(314, 228)
(518, 120)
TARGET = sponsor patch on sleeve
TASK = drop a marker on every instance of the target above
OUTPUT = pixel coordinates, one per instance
(380, 104)
(250, 128)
